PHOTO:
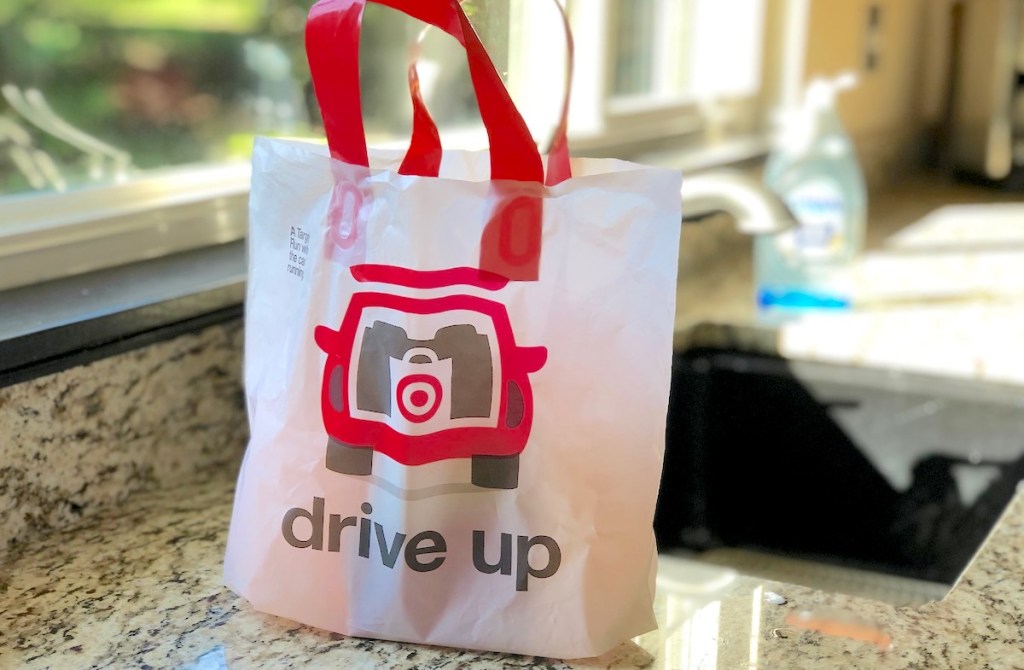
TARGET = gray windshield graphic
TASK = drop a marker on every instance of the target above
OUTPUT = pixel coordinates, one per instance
(469, 351)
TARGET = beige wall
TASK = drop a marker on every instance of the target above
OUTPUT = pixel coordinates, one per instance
(892, 105)
(888, 96)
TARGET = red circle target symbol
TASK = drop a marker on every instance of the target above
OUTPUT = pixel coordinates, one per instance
(419, 396)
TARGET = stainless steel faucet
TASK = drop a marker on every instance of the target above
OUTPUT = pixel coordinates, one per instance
(757, 210)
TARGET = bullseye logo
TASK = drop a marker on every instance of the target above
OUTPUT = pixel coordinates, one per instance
(419, 397)
(422, 383)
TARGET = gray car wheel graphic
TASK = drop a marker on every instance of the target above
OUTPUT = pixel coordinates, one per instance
(496, 472)
(347, 459)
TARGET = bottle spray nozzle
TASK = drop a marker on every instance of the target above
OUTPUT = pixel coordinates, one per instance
(817, 113)
(844, 80)
(822, 91)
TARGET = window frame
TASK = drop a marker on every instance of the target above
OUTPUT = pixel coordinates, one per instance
(192, 206)
(599, 122)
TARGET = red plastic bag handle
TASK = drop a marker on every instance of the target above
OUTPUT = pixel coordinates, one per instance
(332, 46)
(424, 155)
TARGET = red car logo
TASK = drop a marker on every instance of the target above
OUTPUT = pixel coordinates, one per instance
(423, 379)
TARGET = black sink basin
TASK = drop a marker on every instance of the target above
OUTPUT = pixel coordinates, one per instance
(870, 469)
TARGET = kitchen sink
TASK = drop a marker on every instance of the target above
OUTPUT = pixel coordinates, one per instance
(860, 468)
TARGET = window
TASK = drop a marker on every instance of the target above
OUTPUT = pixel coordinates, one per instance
(99, 91)
(645, 70)
(649, 54)
(126, 126)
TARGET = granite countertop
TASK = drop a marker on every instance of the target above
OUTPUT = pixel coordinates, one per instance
(939, 291)
(140, 586)
(103, 573)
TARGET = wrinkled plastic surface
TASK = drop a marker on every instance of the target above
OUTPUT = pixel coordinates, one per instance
(603, 309)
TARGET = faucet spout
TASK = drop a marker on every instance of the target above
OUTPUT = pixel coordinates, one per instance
(757, 210)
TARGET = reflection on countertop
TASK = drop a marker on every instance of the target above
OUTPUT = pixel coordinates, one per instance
(940, 289)
(141, 586)
(716, 264)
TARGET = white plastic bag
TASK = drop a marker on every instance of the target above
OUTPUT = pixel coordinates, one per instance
(446, 449)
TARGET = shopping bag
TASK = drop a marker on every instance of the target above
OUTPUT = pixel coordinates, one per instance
(456, 374)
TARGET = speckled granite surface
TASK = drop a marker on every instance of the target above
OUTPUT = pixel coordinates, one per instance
(85, 438)
(140, 587)
(135, 581)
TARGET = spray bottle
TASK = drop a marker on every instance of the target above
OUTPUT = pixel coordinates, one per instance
(815, 171)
